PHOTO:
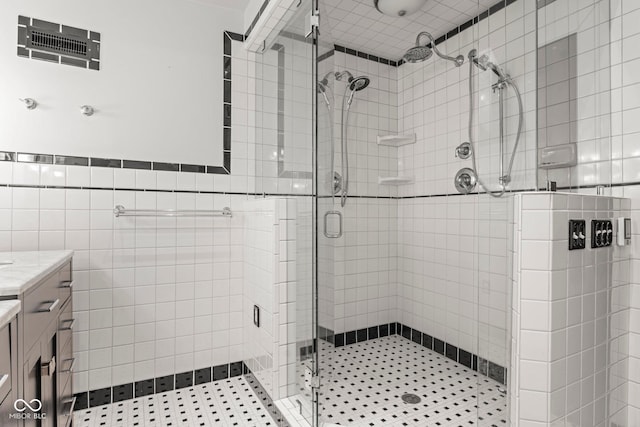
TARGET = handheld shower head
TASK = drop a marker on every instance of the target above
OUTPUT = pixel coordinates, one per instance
(323, 87)
(420, 53)
(355, 83)
(358, 83)
(483, 63)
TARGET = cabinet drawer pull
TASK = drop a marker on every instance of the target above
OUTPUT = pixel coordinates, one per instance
(70, 323)
(3, 380)
(51, 307)
(49, 368)
(72, 403)
(66, 284)
(71, 365)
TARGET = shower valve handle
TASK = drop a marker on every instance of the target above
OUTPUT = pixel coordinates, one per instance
(463, 151)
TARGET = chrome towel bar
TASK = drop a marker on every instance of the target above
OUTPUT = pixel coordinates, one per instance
(122, 211)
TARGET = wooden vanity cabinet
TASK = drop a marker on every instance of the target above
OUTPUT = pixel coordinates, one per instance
(8, 373)
(45, 349)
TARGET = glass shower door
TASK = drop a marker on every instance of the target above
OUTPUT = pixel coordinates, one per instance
(285, 162)
(328, 216)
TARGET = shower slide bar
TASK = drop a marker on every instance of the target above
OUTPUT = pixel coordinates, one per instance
(122, 211)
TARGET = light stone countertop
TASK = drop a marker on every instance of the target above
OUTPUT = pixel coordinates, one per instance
(8, 310)
(21, 270)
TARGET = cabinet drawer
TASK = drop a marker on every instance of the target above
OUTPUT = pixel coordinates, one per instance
(66, 283)
(41, 308)
(66, 402)
(6, 409)
(65, 325)
(66, 365)
(5, 362)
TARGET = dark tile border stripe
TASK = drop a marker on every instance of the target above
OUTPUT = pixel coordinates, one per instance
(450, 351)
(225, 169)
(255, 19)
(266, 400)
(365, 55)
(249, 193)
(282, 173)
(71, 160)
(326, 55)
(227, 74)
(150, 386)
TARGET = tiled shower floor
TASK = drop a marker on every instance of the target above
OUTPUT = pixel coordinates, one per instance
(225, 403)
(369, 378)
(364, 389)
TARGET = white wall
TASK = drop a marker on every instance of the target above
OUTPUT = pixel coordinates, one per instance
(569, 313)
(270, 258)
(625, 54)
(365, 257)
(624, 167)
(433, 102)
(599, 161)
(288, 170)
(452, 251)
(158, 93)
(152, 296)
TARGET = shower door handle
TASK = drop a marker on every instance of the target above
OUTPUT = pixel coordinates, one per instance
(326, 225)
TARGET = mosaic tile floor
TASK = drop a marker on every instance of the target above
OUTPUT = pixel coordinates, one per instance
(224, 403)
(363, 388)
(369, 378)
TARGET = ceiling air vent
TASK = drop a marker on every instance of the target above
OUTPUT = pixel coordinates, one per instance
(57, 43)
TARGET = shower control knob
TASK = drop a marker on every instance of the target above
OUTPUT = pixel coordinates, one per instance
(465, 180)
(30, 103)
(87, 110)
(463, 151)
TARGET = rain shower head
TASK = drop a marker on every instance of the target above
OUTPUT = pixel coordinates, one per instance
(419, 52)
(358, 83)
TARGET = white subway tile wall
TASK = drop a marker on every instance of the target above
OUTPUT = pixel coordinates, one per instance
(275, 260)
(448, 244)
(373, 112)
(283, 117)
(433, 102)
(586, 120)
(365, 275)
(155, 296)
(569, 317)
(625, 77)
(626, 371)
(152, 296)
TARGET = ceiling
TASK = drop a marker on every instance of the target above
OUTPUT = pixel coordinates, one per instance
(231, 4)
(358, 25)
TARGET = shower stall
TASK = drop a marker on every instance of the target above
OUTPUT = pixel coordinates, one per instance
(408, 177)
